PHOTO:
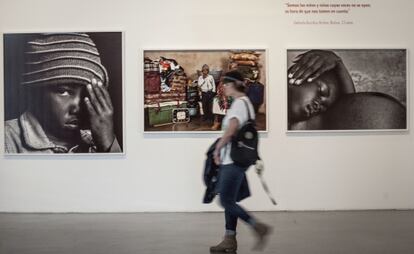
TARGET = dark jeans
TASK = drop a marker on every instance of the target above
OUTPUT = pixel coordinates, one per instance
(230, 179)
(207, 102)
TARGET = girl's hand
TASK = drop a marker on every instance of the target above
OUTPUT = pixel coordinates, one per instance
(311, 64)
(100, 110)
(216, 157)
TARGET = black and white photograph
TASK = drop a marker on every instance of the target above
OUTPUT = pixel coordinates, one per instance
(347, 90)
(63, 93)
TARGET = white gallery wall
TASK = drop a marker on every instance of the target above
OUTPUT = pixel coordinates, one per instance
(162, 172)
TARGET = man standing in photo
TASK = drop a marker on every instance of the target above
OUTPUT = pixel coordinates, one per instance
(208, 89)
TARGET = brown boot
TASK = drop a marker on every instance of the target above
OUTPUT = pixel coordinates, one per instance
(229, 244)
(261, 231)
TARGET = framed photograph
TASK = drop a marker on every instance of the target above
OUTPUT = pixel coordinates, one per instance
(347, 90)
(188, 84)
(63, 93)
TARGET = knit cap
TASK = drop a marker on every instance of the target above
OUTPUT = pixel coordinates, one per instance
(63, 58)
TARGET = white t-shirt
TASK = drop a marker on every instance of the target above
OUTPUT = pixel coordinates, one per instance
(237, 110)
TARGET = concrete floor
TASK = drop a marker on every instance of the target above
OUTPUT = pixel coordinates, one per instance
(388, 232)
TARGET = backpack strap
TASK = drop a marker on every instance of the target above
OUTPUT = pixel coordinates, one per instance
(248, 109)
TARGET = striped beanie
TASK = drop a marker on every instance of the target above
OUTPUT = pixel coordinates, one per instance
(61, 59)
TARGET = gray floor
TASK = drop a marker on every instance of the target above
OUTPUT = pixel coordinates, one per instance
(388, 232)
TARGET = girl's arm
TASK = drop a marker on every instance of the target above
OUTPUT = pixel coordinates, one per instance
(228, 134)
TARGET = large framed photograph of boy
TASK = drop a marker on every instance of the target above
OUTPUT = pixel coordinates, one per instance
(343, 90)
(183, 89)
(63, 93)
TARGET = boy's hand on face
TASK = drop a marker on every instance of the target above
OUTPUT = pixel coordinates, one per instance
(100, 110)
(310, 65)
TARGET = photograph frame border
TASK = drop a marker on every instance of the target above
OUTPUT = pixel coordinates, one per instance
(356, 131)
(68, 155)
(145, 49)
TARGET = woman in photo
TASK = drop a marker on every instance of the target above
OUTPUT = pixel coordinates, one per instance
(322, 96)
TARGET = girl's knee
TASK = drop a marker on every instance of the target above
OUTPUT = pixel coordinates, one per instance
(226, 203)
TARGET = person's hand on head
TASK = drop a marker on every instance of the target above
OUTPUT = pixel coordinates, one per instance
(310, 65)
(100, 110)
